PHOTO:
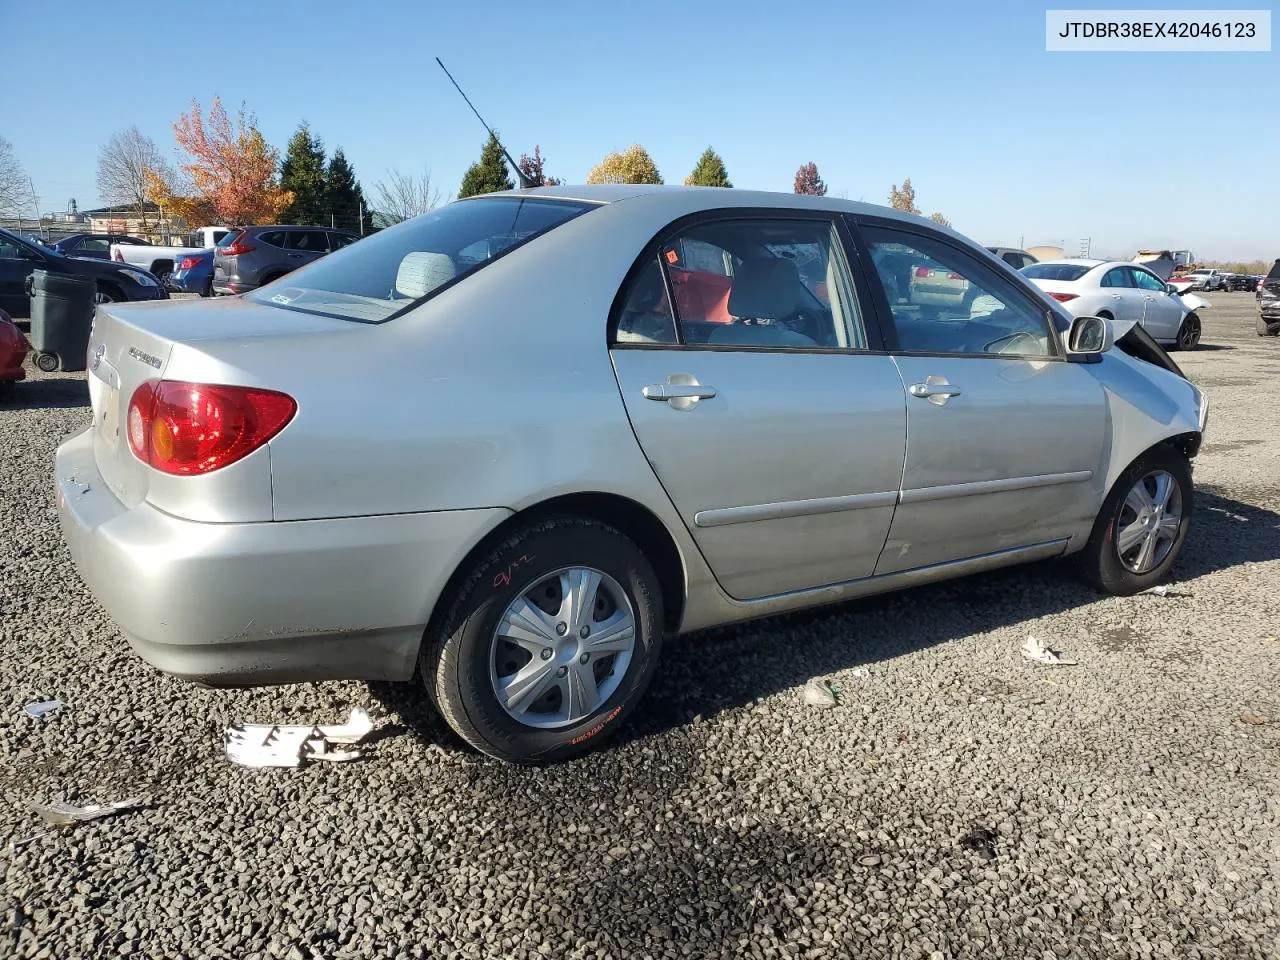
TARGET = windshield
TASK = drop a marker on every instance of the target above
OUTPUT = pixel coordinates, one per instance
(396, 268)
(1200, 273)
(1054, 271)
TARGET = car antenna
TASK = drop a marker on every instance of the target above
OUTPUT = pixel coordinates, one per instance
(525, 182)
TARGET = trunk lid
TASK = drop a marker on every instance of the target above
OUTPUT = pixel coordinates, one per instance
(131, 343)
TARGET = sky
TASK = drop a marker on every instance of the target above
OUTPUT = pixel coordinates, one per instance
(1015, 145)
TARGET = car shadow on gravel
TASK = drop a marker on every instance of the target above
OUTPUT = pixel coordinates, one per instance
(725, 668)
(46, 394)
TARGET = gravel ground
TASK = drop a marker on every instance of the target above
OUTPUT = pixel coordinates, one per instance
(961, 802)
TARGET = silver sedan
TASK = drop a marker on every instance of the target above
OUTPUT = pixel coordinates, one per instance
(517, 441)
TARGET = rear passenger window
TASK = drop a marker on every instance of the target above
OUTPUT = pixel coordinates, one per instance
(305, 240)
(1117, 277)
(943, 301)
(762, 284)
(272, 238)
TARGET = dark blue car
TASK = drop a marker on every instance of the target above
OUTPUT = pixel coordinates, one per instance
(193, 273)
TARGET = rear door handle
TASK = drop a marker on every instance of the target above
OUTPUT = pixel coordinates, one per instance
(678, 391)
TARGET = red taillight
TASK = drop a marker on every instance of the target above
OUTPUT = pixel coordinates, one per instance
(195, 428)
(956, 276)
(188, 263)
(1064, 297)
(237, 247)
(922, 271)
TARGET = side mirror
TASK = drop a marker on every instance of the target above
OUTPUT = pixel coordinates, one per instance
(1173, 291)
(1089, 338)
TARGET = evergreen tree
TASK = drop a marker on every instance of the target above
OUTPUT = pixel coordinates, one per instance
(303, 174)
(344, 197)
(709, 172)
(488, 174)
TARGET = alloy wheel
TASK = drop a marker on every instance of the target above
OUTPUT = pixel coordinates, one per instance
(1149, 522)
(562, 647)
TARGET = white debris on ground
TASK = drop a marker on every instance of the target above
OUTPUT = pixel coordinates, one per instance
(291, 745)
(1034, 649)
(820, 693)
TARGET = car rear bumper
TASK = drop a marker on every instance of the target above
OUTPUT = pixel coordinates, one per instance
(226, 286)
(244, 604)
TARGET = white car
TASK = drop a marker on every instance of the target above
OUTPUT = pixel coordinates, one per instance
(1207, 279)
(1127, 294)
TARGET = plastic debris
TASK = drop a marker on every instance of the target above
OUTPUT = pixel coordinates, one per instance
(291, 745)
(821, 693)
(1035, 649)
(1164, 590)
(61, 814)
(1254, 720)
(869, 860)
(43, 708)
(19, 844)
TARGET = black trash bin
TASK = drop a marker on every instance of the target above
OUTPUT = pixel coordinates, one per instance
(61, 312)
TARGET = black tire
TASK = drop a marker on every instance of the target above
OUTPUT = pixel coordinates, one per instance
(48, 362)
(1267, 329)
(1099, 562)
(457, 650)
(108, 294)
(1189, 333)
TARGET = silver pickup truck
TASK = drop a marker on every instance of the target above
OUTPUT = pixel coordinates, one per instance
(160, 261)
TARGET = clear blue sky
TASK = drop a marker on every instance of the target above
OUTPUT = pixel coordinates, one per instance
(1012, 143)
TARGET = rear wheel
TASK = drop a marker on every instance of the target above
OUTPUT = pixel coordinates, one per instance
(1189, 332)
(549, 642)
(1142, 525)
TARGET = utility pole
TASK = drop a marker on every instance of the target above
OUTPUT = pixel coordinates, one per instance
(35, 202)
(362, 218)
(333, 223)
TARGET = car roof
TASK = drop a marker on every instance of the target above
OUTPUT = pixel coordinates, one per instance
(696, 199)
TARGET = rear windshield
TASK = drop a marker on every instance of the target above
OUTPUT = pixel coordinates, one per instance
(397, 268)
(1054, 271)
(1275, 271)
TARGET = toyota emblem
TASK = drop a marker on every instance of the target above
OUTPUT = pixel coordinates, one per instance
(98, 355)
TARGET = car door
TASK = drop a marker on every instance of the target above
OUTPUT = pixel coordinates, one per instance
(16, 264)
(1162, 313)
(1005, 438)
(1122, 296)
(303, 246)
(759, 398)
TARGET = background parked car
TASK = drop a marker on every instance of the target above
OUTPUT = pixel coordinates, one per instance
(259, 255)
(95, 245)
(1241, 281)
(1013, 256)
(1205, 278)
(1269, 302)
(193, 273)
(19, 259)
(13, 350)
(161, 261)
(1124, 292)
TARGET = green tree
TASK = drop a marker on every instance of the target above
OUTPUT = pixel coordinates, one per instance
(709, 171)
(303, 174)
(632, 165)
(489, 174)
(344, 196)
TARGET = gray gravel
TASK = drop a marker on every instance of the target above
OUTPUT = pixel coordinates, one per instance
(961, 802)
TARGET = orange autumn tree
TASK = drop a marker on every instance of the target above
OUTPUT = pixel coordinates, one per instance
(232, 170)
(163, 190)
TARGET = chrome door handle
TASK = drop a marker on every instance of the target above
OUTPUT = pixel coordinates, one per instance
(1115, 296)
(678, 391)
(935, 389)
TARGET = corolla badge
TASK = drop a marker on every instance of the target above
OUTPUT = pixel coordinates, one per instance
(98, 355)
(145, 357)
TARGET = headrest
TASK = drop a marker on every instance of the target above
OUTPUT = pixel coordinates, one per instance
(421, 272)
(766, 288)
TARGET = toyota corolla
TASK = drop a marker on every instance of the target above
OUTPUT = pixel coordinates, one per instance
(506, 447)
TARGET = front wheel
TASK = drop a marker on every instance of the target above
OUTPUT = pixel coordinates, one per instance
(1142, 525)
(106, 294)
(548, 644)
(1189, 332)
(1266, 329)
